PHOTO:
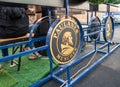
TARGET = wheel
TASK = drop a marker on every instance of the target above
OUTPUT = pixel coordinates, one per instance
(65, 40)
(42, 30)
(108, 31)
(94, 26)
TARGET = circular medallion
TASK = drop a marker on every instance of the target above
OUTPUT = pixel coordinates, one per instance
(94, 26)
(41, 31)
(109, 29)
(64, 41)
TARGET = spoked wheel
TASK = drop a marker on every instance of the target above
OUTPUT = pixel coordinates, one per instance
(42, 30)
(94, 27)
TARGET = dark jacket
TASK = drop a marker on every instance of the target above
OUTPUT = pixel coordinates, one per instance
(14, 22)
(45, 11)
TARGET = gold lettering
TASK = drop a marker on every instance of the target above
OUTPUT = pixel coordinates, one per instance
(72, 24)
(57, 31)
(55, 35)
(61, 59)
(60, 26)
(68, 23)
(71, 56)
(65, 58)
(64, 24)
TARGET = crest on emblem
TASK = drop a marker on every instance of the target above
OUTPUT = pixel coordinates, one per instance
(65, 41)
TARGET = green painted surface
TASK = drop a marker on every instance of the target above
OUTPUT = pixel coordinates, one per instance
(31, 71)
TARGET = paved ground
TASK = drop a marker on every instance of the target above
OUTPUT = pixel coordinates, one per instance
(107, 74)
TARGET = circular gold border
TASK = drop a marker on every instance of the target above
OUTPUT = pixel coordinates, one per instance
(62, 20)
(109, 31)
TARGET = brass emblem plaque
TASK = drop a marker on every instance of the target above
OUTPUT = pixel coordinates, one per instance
(109, 29)
(65, 41)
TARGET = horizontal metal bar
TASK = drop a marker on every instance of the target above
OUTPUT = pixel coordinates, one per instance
(101, 51)
(10, 57)
(103, 46)
(61, 81)
(92, 33)
(23, 43)
(77, 61)
(101, 42)
(41, 82)
(14, 44)
(86, 71)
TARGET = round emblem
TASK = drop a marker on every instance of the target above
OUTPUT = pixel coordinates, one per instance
(64, 41)
(94, 26)
(109, 30)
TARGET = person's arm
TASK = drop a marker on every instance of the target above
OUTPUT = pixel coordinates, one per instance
(38, 12)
